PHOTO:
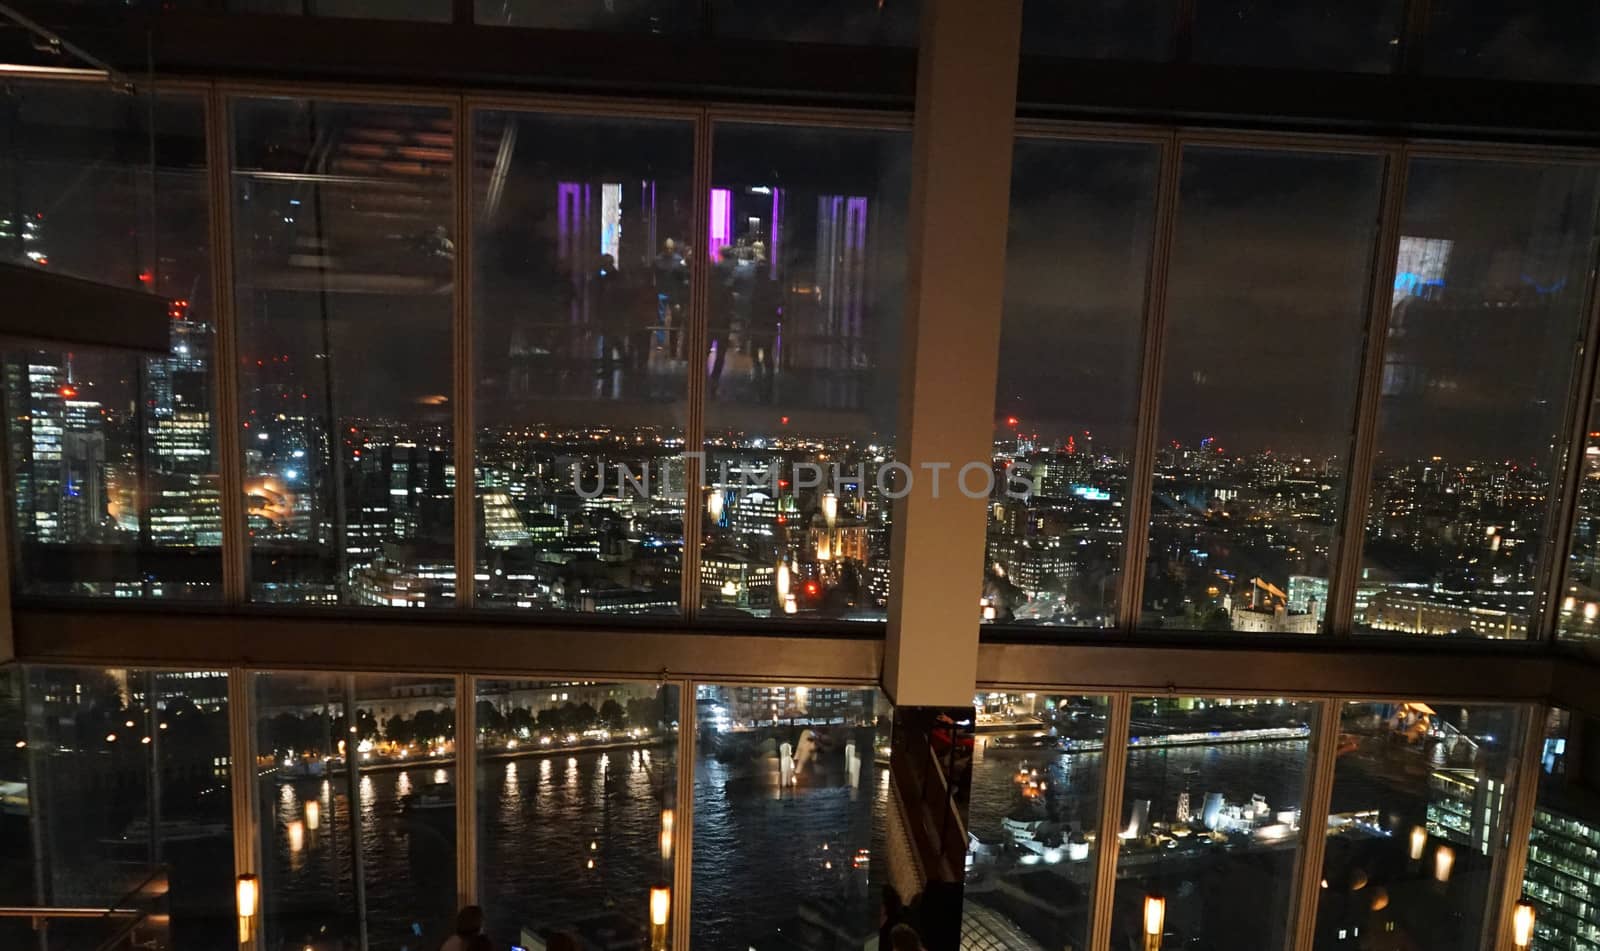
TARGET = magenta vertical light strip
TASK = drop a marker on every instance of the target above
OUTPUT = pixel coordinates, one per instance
(721, 221)
(776, 243)
(566, 208)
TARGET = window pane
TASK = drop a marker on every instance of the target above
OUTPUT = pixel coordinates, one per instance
(392, 816)
(1078, 258)
(1265, 316)
(1580, 601)
(789, 845)
(1488, 310)
(1211, 819)
(1561, 872)
(110, 777)
(1034, 818)
(1419, 807)
(112, 456)
(582, 296)
(577, 793)
(807, 262)
(818, 21)
(1351, 36)
(1110, 29)
(1549, 41)
(437, 11)
(342, 217)
(637, 16)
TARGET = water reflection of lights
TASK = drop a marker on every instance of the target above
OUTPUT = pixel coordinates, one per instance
(572, 771)
(286, 796)
(297, 835)
(368, 791)
(402, 784)
(544, 770)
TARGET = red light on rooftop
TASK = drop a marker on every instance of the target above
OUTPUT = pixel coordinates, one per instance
(812, 587)
(69, 391)
(784, 420)
(1012, 421)
(146, 277)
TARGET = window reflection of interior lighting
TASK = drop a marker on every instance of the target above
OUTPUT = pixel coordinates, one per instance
(1419, 838)
(61, 73)
(1155, 917)
(660, 913)
(313, 814)
(1444, 858)
(247, 892)
(1522, 924)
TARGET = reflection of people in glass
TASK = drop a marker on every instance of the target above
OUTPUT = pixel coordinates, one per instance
(766, 313)
(730, 301)
(607, 302)
(672, 292)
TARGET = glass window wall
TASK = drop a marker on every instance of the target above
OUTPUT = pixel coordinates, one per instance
(790, 792)
(115, 791)
(1549, 41)
(1564, 846)
(113, 460)
(577, 804)
(806, 257)
(1078, 260)
(1267, 295)
(1034, 815)
(1422, 796)
(1113, 29)
(582, 256)
(1210, 826)
(358, 810)
(1488, 309)
(1349, 36)
(343, 259)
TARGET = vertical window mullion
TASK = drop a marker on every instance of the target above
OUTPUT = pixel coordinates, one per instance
(1351, 534)
(1136, 540)
(1106, 837)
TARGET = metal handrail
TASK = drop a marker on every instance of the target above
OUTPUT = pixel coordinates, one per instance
(122, 913)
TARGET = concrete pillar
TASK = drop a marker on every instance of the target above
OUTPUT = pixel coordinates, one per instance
(960, 198)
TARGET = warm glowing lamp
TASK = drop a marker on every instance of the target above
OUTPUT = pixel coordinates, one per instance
(1522, 924)
(660, 911)
(247, 890)
(830, 508)
(1419, 838)
(1444, 858)
(297, 835)
(714, 503)
(1155, 919)
(783, 581)
(313, 814)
